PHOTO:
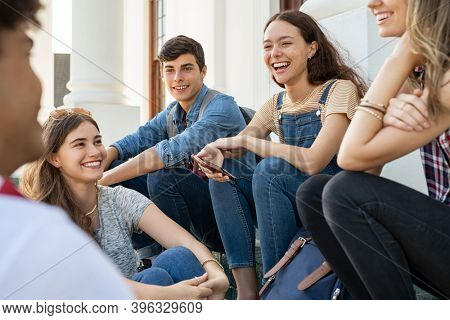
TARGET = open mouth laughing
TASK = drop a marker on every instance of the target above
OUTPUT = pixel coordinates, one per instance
(280, 66)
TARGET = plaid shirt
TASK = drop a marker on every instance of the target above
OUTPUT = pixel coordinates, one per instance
(436, 162)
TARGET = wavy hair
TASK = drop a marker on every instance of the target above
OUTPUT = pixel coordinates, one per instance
(44, 182)
(429, 34)
(327, 63)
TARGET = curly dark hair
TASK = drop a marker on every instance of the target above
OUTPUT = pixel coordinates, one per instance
(15, 12)
(327, 63)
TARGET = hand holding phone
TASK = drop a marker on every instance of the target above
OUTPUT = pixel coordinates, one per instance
(212, 167)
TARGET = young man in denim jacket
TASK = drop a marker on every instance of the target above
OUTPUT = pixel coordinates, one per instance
(162, 148)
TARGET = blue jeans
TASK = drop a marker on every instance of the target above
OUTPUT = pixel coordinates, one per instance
(170, 267)
(182, 196)
(235, 214)
(275, 183)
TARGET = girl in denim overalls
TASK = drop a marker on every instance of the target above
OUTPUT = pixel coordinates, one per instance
(318, 87)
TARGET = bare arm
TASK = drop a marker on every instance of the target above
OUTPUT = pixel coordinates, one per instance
(366, 144)
(145, 162)
(169, 234)
(308, 160)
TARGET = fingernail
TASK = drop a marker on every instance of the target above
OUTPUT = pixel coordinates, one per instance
(426, 124)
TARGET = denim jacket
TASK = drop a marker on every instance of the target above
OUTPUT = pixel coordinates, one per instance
(222, 118)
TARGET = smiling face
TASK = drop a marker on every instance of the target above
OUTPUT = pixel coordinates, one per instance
(183, 78)
(286, 52)
(81, 157)
(390, 16)
(20, 95)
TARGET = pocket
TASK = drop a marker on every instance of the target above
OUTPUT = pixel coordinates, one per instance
(306, 141)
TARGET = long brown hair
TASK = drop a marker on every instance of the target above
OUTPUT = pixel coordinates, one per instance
(326, 63)
(429, 33)
(44, 182)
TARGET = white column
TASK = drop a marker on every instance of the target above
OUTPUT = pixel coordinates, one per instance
(96, 66)
(42, 57)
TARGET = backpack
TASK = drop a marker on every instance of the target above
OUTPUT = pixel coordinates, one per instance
(302, 274)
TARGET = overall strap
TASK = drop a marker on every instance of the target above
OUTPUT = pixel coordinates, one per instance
(171, 127)
(324, 97)
(280, 99)
(206, 100)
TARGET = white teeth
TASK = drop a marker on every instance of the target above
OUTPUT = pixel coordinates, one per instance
(280, 64)
(180, 87)
(383, 15)
(92, 164)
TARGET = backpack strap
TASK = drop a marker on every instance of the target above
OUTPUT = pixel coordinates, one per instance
(206, 100)
(171, 127)
(280, 99)
(324, 97)
(315, 276)
(296, 246)
(172, 130)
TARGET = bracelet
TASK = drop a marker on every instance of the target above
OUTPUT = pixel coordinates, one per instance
(378, 106)
(215, 260)
(373, 106)
(370, 111)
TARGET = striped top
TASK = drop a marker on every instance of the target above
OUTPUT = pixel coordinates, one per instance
(436, 163)
(342, 98)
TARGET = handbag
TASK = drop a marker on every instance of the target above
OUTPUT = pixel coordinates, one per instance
(302, 274)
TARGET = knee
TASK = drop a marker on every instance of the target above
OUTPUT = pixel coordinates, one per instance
(270, 166)
(154, 276)
(347, 189)
(309, 197)
(154, 180)
(312, 188)
(266, 170)
(179, 255)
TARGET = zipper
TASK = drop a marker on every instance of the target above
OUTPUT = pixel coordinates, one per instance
(336, 294)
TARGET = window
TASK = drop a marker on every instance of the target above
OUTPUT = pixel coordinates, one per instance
(286, 5)
(157, 33)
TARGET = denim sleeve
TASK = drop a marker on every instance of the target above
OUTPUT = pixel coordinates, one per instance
(146, 136)
(222, 118)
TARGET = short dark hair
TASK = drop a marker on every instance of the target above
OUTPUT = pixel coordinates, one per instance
(175, 47)
(15, 12)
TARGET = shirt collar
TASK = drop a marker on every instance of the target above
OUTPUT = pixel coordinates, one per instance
(195, 108)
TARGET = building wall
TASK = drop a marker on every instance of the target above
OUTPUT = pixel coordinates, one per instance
(230, 32)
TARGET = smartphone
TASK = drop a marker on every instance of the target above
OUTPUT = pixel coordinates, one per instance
(211, 166)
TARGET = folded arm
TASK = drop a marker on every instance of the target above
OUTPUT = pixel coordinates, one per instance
(367, 144)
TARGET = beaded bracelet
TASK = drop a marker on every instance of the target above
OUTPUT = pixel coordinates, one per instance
(215, 260)
(370, 112)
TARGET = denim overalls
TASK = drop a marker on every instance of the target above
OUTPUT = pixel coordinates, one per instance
(275, 183)
(302, 129)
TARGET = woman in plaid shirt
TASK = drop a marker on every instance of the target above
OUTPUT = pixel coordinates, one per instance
(380, 237)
